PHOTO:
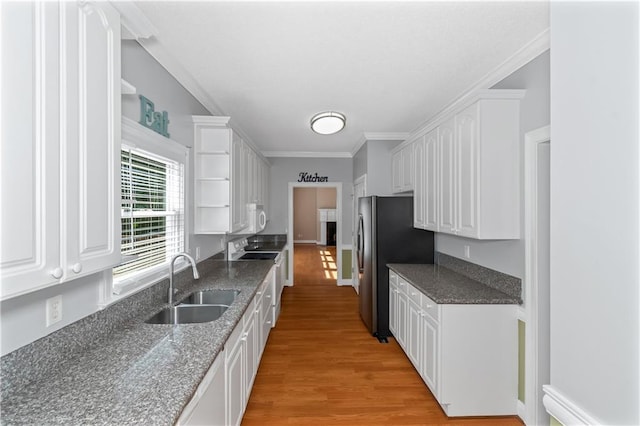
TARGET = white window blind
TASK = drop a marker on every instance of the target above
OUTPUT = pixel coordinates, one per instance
(152, 215)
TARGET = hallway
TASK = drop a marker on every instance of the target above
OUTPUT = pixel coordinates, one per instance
(321, 366)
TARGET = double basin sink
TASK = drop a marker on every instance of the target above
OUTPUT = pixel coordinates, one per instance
(200, 306)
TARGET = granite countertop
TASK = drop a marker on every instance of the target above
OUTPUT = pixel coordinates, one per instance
(445, 286)
(140, 373)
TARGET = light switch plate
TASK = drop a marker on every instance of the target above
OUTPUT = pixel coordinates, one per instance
(54, 310)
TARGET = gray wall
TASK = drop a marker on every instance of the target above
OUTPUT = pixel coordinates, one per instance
(595, 295)
(22, 319)
(155, 83)
(285, 170)
(374, 159)
(360, 161)
(508, 256)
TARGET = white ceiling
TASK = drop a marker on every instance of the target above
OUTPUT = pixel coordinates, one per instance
(388, 66)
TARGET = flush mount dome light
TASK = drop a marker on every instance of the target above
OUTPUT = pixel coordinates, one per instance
(328, 123)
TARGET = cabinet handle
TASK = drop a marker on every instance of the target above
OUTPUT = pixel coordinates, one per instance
(268, 296)
(244, 337)
(259, 293)
(56, 273)
(429, 306)
(77, 268)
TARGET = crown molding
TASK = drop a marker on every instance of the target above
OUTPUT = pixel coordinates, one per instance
(136, 23)
(306, 154)
(378, 136)
(538, 45)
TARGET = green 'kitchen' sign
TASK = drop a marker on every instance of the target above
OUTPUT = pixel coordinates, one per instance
(156, 121)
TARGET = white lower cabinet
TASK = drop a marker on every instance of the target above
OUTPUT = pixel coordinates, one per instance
(208, 406)
(235, 369)
(466, 354)
(222, 396)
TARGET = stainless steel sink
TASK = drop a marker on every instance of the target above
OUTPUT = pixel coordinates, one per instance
(188, 314)
(211, 297)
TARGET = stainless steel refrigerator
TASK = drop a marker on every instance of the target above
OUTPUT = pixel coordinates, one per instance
(385, 235)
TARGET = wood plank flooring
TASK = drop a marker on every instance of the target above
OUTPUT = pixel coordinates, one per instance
(321, 366)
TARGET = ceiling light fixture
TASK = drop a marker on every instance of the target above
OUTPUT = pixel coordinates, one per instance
(328, 123)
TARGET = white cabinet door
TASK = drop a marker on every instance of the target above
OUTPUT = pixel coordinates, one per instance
(401, 336)
(91, 106)
(413, 343)
(251, 341)
(396, 170)
(418, 184)
(207, 407)
(393, 304)
(430, 191)
(235, 379)
(429, 364)
(60, 142)
(446, 177)
(30, 147)
(467, 172)
(238, 210)
(407, 168)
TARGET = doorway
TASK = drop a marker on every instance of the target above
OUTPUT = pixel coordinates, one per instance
(537, 272)
(307, 232)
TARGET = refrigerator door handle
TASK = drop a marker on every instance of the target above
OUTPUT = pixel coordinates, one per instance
(360, 244)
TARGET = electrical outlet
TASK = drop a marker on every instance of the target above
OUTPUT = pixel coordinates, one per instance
(197, 253)
(467, 252)
(54, 310)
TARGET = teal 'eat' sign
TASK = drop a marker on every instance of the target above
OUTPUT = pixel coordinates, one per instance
(156, 121)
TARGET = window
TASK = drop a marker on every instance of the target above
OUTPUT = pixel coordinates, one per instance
(152, 213)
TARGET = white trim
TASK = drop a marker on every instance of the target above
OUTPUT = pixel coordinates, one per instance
(564, 410)
(520, 410)
(378, 136)
(339, 222)
(306, 242)
(136, 23)
(157, 50)
(136, 135)
(127, 88)
(533, 385)
(524, 55)
(306, 154)
(344, 283)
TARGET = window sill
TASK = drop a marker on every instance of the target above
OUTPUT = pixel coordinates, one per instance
(113, 293)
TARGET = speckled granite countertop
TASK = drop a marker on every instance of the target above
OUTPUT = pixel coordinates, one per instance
(445, 286)
(140, 373)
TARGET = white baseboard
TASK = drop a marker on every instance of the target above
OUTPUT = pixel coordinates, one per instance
(521, 411)
(345, 282)
(305, 242)
(564, 410)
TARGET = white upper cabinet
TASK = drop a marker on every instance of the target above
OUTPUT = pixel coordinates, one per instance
(446, 177)
(471, 172)
(218, 176)
(60, 142)
(419, 191)
(402, 166)
(229, 174)
(91, 40)
(430, 172)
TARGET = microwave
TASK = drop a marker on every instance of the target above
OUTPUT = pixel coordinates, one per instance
(257, 218)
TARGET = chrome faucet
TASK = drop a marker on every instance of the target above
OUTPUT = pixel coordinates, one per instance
(196, 275)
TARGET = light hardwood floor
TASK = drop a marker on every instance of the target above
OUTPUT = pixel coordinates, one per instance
(321, 366)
